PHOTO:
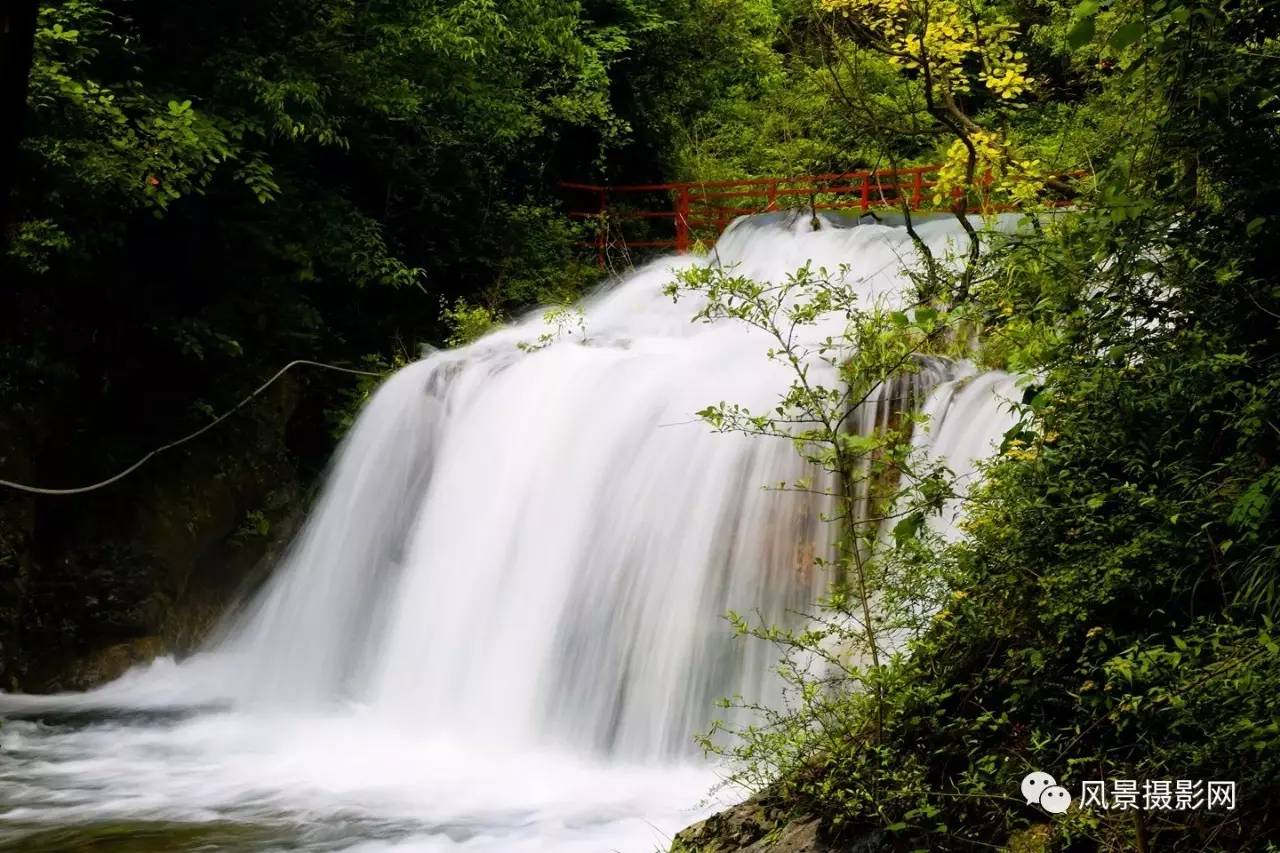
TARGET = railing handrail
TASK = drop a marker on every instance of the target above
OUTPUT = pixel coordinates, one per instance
(700, 204)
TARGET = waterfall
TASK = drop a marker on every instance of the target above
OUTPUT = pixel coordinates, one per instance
(501, 626)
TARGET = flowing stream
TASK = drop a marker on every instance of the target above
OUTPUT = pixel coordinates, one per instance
(502, 626)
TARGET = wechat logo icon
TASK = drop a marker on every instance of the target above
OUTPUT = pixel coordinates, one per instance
(1039, 788)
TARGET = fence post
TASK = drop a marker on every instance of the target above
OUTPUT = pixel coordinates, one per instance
(866, 191)
(682, 220)
(773, 196)
(917, 190)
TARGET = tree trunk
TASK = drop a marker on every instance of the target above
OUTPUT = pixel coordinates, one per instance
(17, 38)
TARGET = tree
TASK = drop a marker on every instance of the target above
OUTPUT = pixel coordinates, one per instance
(17, 38)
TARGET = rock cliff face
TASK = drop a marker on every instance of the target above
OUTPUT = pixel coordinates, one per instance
(91, 585)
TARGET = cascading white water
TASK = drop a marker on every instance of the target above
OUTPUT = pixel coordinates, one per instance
(501, 627)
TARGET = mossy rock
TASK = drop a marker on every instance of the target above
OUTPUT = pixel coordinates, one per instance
(1036, 838)
(761, 825)
(111, 662)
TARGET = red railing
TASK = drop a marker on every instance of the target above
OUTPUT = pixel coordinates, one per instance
(699, 208)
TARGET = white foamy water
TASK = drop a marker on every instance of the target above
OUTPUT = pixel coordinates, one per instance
(501, 627)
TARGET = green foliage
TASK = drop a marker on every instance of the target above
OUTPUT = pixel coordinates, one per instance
(537, 260)
(877, 490)
(411, 89)
(561, 322)
(681, 61)
(791, 115)
(1110, 613)
(467, 322)
(341, 412)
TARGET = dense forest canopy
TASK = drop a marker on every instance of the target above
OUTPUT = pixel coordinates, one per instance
(205, 192)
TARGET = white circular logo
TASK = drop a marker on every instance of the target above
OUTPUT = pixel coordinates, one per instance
(1035, 784)
(1055, 799)
(1039, 788)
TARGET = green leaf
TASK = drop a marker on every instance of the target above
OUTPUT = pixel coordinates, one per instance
(908, 528)
(1082, 33)
(1127, 35)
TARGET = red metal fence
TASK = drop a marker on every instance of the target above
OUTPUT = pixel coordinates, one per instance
(705, 208)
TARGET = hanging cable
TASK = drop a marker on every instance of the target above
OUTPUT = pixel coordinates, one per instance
(35, 490)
